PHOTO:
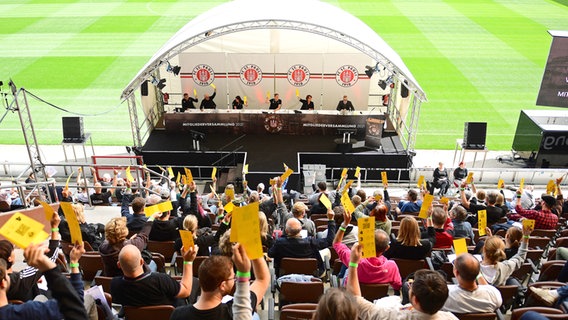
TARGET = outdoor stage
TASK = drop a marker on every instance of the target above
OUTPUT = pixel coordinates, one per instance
(265, 152)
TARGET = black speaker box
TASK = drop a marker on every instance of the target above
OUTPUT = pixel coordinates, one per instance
(474, 135)
(144, 88)
(73, 129)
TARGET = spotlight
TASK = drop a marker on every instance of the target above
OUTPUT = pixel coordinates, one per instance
(382, 84)
(160, 84)
(369, 71)
(175, 70)
(128, 149)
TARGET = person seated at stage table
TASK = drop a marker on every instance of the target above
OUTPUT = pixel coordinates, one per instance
(207, 102)
(187, 103)
(345, 105)
(460, 173)
(307, 104)
(275, 103)
(239, 104)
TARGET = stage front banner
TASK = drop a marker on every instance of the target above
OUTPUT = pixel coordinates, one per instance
(256, 122)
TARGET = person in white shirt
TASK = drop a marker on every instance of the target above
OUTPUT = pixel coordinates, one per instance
(472, 294)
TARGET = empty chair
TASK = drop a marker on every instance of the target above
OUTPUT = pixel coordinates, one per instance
(165, 248)
(307, 266)
(550, 269)
(300, 292)
(406, 267)
(374, 291)
(148, 313)
(90, 264)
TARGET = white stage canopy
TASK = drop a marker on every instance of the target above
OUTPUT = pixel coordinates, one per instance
(306, 17)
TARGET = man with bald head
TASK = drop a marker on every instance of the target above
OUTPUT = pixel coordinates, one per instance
(472, 294)
(292, 245)
(139, 288)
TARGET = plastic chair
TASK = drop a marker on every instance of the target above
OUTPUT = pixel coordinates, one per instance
(476, 316)
(103, 282)
(406, 266)
(91, 263)
(298, 311)
(165, 248)
(307, 266)
(374, 291)
(550, 269)
(148, 313)
(300, 292)
(548, 312)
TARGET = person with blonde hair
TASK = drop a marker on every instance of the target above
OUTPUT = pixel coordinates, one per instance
(265, 236)
(494, 268)
(115, 239)
(408, 244)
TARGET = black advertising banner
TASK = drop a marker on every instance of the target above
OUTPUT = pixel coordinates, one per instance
(554, 86)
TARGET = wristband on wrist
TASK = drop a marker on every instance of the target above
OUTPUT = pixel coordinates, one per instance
(342, 229)
(462, 189)
(353, 264)
(243, 274)
(151, 219)
(243, 279)
(187, 262)
(54, 229)
(74, 265)
(226, 223)
(480, 275)
(518, 196)
(526, 237)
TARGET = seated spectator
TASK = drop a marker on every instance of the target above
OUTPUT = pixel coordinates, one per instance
(136, 220)
(217, 280)
(443, 227)
(336, 304)
(23, 283)
(408, 244)
(460, 173)
(205, 240)
(494, 270)
(381, 220)
(115, 234)
(138, 287)
(93, 233)
(473, 203)
(292, 245)
(164, 228)
(544, 218)
(500, 203)
(194, 207)
(371, 270)
(265, 236)
(313, 199)
(428, 293)
(441, 180)
(412, 205)
(462, 228)
(67, 302)
(99, 197)
(468, 296)
(299, 212)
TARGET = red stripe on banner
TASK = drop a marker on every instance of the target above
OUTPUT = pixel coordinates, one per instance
(270, 76)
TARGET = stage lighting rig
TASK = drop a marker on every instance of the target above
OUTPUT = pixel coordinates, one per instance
(160, 84)
(175, 69)
(369, 71)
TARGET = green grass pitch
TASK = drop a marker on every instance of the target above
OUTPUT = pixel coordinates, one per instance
(476, 60)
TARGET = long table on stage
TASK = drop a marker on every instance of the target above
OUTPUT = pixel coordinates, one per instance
(287, 122)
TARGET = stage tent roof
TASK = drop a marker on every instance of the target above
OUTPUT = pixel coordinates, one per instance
(308, 18)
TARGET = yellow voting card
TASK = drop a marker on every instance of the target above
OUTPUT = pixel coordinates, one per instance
(213, 191)
(445, 200)
(347, 186)
(246, 223)
(426, 203)
(213, 86)
(68, 179)
(469, 178)
(213, 173)
(267, 94)
(367, 236)
(550, 187)
(229, 207)
(178, 178)
(420, 181)
(522, 184)
(346, 202)
(528, 223)
(325, 201)
(188, 175)
(160, 207)
(129, 176)
(22, 230)
(286, 174)
(186, 239)
(245, 99)
(297, 92)
(194, 93)
(357, 172)
(246, 169)
(481, 221)
(230, 193)
(384, 178)
(48, 210)
(500, 184)
(460, 246)
(72, 222)
(171, 172)
(344, 173)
